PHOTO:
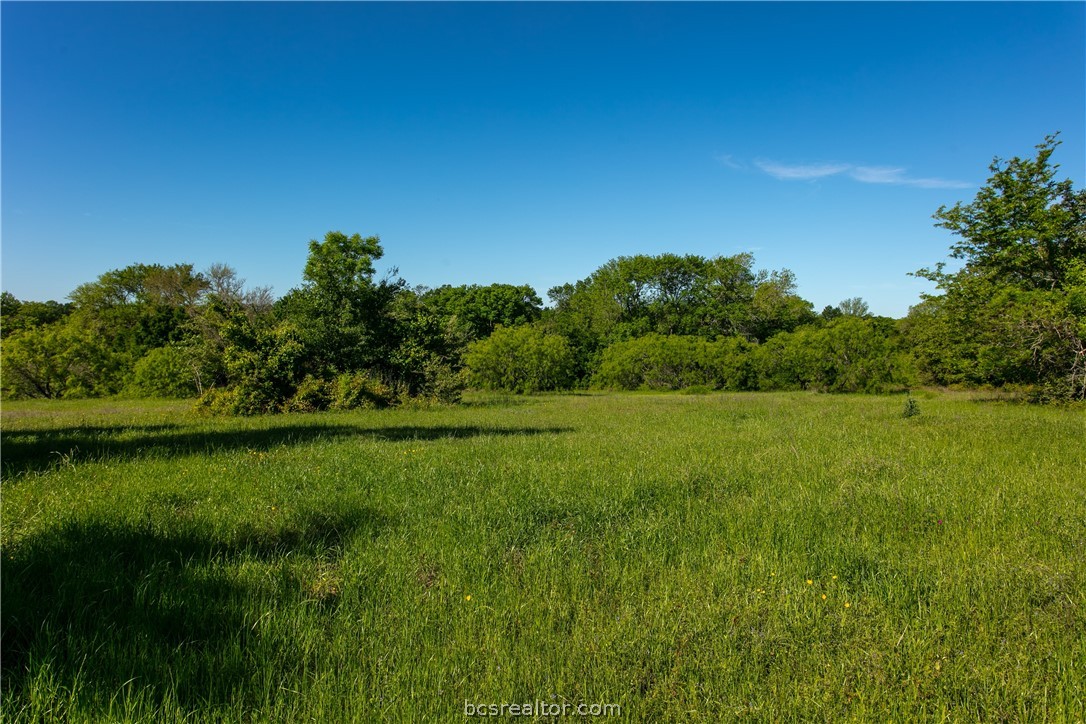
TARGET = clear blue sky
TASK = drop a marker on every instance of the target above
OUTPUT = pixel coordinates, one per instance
(520, 143)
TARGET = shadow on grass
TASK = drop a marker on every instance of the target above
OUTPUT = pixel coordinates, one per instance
(103, 607)
(40, 450)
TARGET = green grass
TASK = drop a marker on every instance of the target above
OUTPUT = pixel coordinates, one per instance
(688, 557)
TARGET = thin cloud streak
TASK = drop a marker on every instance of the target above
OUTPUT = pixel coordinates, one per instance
(793, 173)
(887, 175)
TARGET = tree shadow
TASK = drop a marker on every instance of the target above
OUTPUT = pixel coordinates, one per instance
(104, 606)
(40, 450)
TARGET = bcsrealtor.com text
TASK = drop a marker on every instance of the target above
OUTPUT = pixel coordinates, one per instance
(540, 708)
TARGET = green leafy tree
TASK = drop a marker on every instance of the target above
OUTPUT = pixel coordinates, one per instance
(1014, 312)
(777, 308)
(64, 359)
(668, 294)
(139, 308)
(1024, 228)
(342, 314)
(854, 307)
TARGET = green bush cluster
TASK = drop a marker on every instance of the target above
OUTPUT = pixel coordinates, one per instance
(164, 372)
(674, 362)
(847, 354)
(521, 359)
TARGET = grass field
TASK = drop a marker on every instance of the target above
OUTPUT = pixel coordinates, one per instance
(686, 557)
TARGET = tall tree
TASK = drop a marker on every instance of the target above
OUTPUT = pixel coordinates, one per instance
(1016, 310)
(1024, 228)
(341, 313)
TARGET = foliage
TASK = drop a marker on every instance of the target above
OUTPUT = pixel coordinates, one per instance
(342, 315)
(165, 372)
(263, 366)
(482, 309)
(365, 389)
(1015, 312)
(340, 341)
(854, 307)
(668, 294)
(659, 362)
(63, 359)
(312, 395)
(521, 359)
(429, 355)
(847, 354)
(1023, 229)
(17, 316)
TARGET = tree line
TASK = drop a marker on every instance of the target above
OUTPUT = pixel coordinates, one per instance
(1013, 314)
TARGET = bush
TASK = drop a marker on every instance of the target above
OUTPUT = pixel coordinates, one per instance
(164, 372)
(521, 359)
(849, 354)
(442, 384)
(312, 395)
(659, 362)
(218, 401)
(354, 390)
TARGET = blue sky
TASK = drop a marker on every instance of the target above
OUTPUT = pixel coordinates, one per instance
(520, 143)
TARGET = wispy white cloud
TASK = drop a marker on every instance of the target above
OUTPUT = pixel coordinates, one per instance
(803, 172)
(891, 175)
(877, 174)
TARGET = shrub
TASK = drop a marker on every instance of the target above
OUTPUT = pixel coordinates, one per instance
(849, 354)
(441, 383)
(521, 359)
(312, 395)
(366, 389)
(164, 372)
(661, 362)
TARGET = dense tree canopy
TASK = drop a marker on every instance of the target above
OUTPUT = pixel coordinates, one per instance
(669, 294)
(482, 309)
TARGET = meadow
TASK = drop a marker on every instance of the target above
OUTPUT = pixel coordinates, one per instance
(765, 556)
